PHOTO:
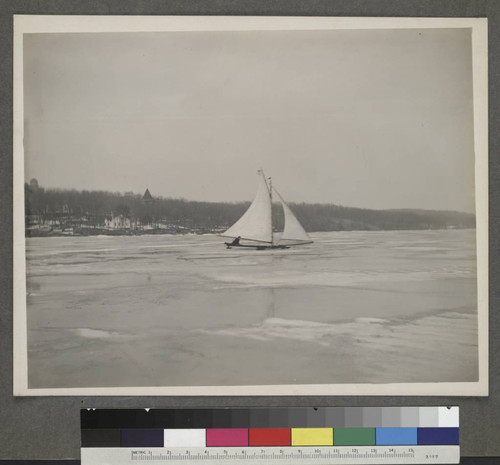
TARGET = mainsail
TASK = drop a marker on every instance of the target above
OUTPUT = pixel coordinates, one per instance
(256, 223)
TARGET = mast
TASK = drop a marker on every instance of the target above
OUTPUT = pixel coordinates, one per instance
(271, 197)
(270, 189)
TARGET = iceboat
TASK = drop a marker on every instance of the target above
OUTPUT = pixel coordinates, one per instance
(255, 228)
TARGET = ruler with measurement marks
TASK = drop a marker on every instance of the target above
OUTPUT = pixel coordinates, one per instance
(307, 455)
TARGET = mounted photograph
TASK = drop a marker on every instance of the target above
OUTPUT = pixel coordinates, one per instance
(250, 206)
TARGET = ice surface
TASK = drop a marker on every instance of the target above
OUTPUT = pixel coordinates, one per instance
(362, 307)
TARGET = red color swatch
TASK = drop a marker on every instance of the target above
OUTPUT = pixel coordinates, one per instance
(269, 437)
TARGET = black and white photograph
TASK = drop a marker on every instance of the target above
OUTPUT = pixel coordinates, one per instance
(251, 206)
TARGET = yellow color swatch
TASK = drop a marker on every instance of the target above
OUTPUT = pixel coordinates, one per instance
(312, 436)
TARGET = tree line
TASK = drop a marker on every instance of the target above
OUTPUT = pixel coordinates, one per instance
(84, 210)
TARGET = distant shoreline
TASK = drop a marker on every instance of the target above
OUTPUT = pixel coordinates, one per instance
(33, 233)
(52, 212)
(114, 232)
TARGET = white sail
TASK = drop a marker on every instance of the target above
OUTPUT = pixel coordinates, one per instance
(256, 222)
(293, 232)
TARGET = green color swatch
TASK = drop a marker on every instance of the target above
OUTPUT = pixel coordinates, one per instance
(354, 436)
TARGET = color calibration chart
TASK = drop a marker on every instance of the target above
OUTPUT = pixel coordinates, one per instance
(298, 435)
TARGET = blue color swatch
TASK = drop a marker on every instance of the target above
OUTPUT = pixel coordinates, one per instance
(396, 436)
(438, 436)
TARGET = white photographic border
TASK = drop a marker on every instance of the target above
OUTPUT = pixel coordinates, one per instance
(24, 24)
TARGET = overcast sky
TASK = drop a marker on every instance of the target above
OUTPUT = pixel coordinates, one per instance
(364, 118)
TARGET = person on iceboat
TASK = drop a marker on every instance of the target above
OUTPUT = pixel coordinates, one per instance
(236, 241)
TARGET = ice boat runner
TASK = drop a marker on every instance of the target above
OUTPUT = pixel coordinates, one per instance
(255, 227)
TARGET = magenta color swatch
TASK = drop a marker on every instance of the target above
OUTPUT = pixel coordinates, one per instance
(230, 437)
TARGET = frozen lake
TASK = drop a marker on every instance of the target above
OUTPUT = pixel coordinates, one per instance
(353, 307)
